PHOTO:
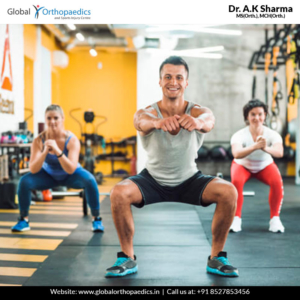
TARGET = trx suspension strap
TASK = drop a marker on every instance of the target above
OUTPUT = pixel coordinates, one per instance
(254, 82)
(289, 71)
(277, 95)
(292, 84)
(267, 63)
(275, 121)
(292, 91)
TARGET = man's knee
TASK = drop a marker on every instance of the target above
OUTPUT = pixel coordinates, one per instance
(118, 193)
(124, 194)
(229, 194)
(221, 191)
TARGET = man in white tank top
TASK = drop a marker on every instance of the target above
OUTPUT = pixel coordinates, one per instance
(171, 131)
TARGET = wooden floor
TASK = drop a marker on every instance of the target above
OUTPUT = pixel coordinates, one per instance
(22, 253)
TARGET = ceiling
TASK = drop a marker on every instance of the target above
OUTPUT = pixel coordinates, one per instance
(132, 36)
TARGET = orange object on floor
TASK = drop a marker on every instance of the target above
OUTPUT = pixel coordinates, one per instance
(47, 196)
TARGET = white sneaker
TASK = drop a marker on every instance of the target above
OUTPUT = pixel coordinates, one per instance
(236, 225)
(276, 225)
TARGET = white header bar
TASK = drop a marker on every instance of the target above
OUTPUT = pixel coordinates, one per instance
(150, 12)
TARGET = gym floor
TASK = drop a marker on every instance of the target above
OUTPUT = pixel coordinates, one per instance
(172, 243)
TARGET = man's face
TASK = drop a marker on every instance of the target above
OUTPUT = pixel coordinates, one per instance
(173, 81)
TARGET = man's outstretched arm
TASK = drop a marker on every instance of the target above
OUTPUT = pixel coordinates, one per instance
(146, 120)
(201, 119)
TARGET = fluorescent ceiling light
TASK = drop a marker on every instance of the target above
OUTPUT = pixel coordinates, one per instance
(220, 31)
(71, 26)
(93, 52)
(197, 53)
(79, 36)
(188, 53)
(70, 46)
(138, 41)
(170, 34)
(207, 49)
(168, 43)
(194, 28)
(158, 28)
(193, 53)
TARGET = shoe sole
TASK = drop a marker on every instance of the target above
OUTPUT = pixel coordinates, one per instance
(97, 230)
(277, 231)
(218, 272)
(16, 230)
(127, 272)
(231, 230)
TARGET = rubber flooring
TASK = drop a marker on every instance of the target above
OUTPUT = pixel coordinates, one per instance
(172, 243)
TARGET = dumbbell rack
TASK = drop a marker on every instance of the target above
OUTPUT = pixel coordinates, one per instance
(3, 168)
(17, 150)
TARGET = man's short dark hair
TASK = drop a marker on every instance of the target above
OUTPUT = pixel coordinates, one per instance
(174, 60)
(252, 104)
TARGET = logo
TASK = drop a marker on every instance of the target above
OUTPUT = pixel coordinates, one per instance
(20, 11)
(74, 14)
(6, 73)
(6, 86)
(37, 8)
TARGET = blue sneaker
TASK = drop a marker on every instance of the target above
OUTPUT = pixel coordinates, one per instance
(22, 225)
(123, 266)
(97, 225)
(220, 266)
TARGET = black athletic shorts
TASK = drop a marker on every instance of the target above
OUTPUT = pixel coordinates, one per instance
(189, 191)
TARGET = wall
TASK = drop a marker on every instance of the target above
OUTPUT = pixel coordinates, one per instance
(109, 91)
(127, 81)
(42, 79)
(11, 121)
(31, 72)
(28, 92)
(224, 85)
(39, 45)
(30, 47)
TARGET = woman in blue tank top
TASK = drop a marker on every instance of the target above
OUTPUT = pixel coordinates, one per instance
(54, 162)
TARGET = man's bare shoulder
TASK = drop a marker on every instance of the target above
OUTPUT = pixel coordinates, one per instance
(198, 110)
(149, 109)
